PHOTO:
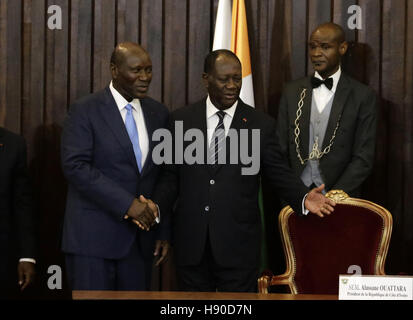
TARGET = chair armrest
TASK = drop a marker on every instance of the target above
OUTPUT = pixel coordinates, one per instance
(263, 284)
(268, 280)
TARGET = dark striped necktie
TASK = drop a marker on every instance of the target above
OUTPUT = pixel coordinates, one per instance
(218, 139)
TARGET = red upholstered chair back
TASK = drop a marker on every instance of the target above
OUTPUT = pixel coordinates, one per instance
(318, 250)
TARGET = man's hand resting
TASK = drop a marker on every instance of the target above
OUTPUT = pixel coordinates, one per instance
(317, 203)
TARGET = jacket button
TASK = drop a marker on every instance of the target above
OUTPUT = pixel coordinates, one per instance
(207, 208)
(212, 181)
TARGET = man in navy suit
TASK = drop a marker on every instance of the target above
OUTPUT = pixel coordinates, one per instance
(16, 213)
(106, 159)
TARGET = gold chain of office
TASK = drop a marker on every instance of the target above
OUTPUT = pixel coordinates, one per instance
(315, 152)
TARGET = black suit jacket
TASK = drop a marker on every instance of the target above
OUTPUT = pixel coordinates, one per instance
(223, 203)
(351, 157)
(103, 177)
(15, 196)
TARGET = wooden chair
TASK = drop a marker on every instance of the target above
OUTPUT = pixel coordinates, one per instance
(318, 250)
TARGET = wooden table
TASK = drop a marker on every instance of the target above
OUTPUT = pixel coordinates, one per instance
(178, 295)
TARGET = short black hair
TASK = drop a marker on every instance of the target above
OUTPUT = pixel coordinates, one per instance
(210, 59)
(116, 57)
(118, 54)
(340, 35)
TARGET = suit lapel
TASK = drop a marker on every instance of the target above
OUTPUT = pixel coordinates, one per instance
(151, 121)
(1, 145)
(113, 118)
(240, 121)
(305, 117)
(340, 98)
(200, 122)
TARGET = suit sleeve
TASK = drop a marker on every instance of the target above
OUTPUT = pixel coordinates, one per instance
(161, 190)
(23, 205)
(167, 189)
(77, 163)
(362, 159)
(277, 171)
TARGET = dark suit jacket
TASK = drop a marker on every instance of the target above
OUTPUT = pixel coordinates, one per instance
(103, 177)
(223, 202)
(351, 158)
(15, 197)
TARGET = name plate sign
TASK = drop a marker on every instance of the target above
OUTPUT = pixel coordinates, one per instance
(354, 287)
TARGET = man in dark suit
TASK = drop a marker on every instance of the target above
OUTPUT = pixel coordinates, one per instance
(217, 232)
(327, 122)
(106, 158)
(16, 212)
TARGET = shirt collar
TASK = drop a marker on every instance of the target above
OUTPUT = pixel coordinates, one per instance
(121, 102)
(211, 109)
(336, 77)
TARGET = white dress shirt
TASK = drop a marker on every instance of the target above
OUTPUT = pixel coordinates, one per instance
(27, 260)
(137, 113)
(213, 119)
(322, 95)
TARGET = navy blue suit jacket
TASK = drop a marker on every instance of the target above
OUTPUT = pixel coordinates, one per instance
(103, 178)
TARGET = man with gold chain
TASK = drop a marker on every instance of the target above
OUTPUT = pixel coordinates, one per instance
(327, 122)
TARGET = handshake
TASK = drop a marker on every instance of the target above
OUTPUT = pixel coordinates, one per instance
(143, 213)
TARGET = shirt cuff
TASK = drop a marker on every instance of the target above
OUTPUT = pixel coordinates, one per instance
(27, 260)
(305, 211)
(158, 218)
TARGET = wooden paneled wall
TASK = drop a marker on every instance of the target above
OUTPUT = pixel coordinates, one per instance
(42, 71)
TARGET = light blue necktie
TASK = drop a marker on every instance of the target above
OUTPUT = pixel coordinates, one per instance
(133, 135)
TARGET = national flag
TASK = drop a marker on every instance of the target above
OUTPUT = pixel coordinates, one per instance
(240, 46)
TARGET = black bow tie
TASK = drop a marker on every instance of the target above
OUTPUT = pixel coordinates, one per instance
(315, 82)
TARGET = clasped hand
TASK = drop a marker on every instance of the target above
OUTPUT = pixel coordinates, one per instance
(143, 213)
(318, 204)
